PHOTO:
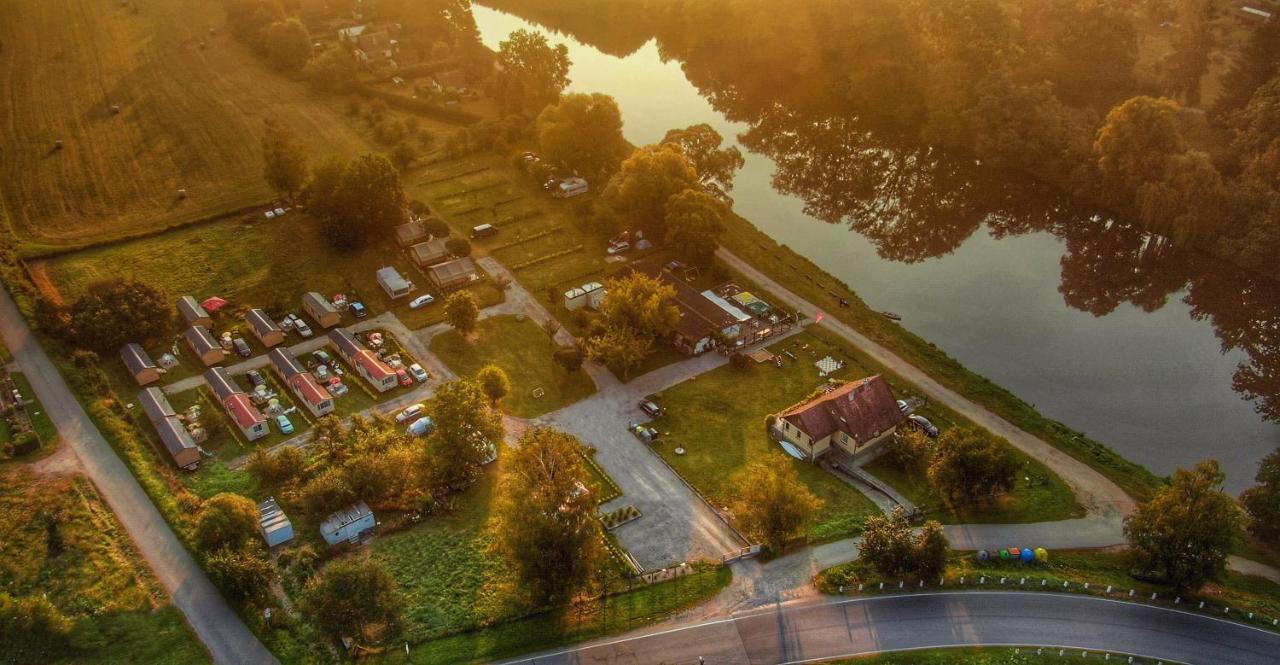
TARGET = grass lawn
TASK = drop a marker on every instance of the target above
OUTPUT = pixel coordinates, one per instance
(523, 350)
(40, 422)
(792, 271)
(63, 542)
(718, 418)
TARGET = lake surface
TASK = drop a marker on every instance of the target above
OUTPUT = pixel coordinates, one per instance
(1030, 293)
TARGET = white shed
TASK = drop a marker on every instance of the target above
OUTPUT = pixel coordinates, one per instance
(347, 524)
(595, 294)
(273, 523)
(575, 298)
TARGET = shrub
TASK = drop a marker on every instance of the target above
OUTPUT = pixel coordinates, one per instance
(458, 246)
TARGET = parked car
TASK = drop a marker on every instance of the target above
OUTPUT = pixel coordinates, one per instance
(302, 327)
(242, 347)
(322, 373)
(418, 373)
(358, 310)
(924, 425)
(483, 231)
(410, 412)
(646, 434)
(903, 406)
(255, 378)
(403, 376)
(323, 357)
(421, 427)
(651, 409)
(619, 247)
(421, 301)
(282, 421)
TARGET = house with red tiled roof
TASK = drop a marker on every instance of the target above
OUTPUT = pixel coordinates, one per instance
(246, 416)
(856, 417)
(365, 362)
(304, 386)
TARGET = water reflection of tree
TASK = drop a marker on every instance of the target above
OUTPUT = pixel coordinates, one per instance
(1244, 310)
(1107, 264)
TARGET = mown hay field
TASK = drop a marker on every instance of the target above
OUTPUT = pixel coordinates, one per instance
(191, 106)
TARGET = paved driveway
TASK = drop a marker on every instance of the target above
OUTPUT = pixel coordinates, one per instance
(217, 626)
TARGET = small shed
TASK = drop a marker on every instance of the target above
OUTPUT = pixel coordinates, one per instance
(264, 328)
(393, 282)
(454, 274)
(205, 346)
(429, 253)
(193, 313)
(348, 524)
(140, 365)
(172, 431)
(411, 232)
(595, 294)
(320, 309)
(575, 298)
(273, 524)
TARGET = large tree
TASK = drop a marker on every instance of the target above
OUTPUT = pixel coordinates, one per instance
(462, 312)
(466, 428)
(1186, 531)
(244, 572)
(544, 525)
(894, 549)
(284, 159)
(970, 465)
(227, 520)
(641, 303)
(112, 313)
(695, 220)
(370, 202)
(621, 349)
(320, 194)
(494, 382)
(531, 74)
(1136, 142)
(773, 506)
(351, 595)
(583, 132)
(1262, 501)
(716, 166)
(638, 192)
(288, 45)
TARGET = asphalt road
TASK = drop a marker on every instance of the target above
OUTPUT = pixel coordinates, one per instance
(814, 632)
(217, 626)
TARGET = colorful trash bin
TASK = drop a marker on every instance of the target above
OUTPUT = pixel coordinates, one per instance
(1028, 555)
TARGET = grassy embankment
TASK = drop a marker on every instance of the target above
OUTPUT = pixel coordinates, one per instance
(718, 418)
(1099, 568)
(62, 542)
(523, 350)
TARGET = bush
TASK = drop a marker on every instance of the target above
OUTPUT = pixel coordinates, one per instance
(458, 246)
(435, 226)
(569, 357)
(228, 520)
(243, 573)
(25, 443)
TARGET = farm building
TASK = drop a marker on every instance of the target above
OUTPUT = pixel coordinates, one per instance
(141, 367)
(193, 313)
(393, 282)
(246, 416)
(452, 275)
(700, 318)
(374, 47)
(264, 328)
(347, 524)
(205, 346)
(368, 365)
(303, 385)
(320, 309)
(430, 252)
(173, 433)
(273, 524)
(410, 232)
(855, 417)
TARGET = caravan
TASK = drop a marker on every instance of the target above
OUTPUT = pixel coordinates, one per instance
(570, 187)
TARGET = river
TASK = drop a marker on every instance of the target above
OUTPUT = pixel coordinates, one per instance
(1152, 382)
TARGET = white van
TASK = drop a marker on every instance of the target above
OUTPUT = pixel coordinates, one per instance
(571, 187)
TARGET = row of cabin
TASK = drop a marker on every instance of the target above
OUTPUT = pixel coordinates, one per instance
(173, 432)
(302, 384)
(366, 363)
(240, 408)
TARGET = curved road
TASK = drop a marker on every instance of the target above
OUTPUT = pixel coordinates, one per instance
(218, 627)
(813, 632)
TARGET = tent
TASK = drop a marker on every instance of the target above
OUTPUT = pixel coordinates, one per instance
(213, 303)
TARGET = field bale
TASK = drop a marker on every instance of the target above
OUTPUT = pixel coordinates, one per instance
(115, 109)
(57, 145)
(182, 193)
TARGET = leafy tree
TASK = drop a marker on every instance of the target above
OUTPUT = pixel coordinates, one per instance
(494, 382)
(620, 348)
(466, 427)
(288, 45)
(569, 358)
(326, 493)
(458, 246)
(695, 221)
(893, 549)
(1257, 126)
(462, 312)
(641, 303)
(243, 573)
(910, 451)
(352, 595)
(331, 71)
(773, 506)
(370, 202)
(1254, 65)
(249, 19)
(227, 520)
(970, 465)
(320, 194)
(638, 192)
(1262, 501)
(1186, 531)
(1136, 142)
(278, 469)
(583, 132)
(531, 73)
(715, 166)
(112, 313)
(544, 526)
(932, 550)
(403, 155)
(285, 159)
(438, 228)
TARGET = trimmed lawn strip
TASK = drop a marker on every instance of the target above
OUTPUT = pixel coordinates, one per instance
(790, 270)
(524, 351)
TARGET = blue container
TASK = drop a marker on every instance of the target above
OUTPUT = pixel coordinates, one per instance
(1028, 555)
